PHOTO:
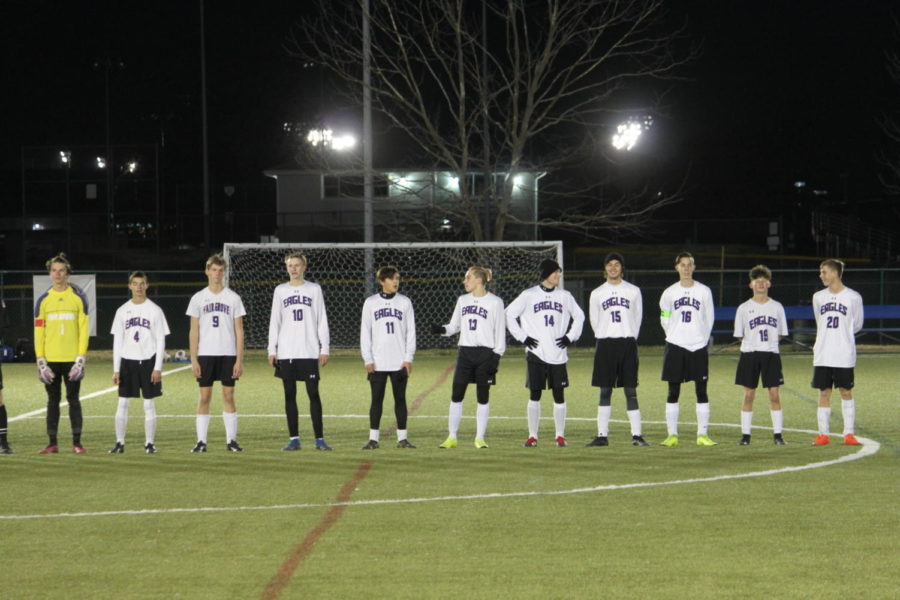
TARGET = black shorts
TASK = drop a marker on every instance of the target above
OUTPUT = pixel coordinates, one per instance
(476, 364)
(216, 368)
(297, 369)
(382, 376)
(752, 365)
(680, 365)
(615, 363)
(542, 376)
(825, 378)
(134, 379)
(1, 378)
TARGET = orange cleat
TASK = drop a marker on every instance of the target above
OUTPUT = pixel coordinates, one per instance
(821, 440)
(850, 440)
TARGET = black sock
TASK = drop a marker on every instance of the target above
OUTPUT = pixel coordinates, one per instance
(3, 425)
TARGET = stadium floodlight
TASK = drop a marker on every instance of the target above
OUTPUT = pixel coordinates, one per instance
(326, 139)
(131, 166)
(101, 162)
(628, 133)
(65, 157)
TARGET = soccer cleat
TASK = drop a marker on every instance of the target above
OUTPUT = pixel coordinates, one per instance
(321, 445)
(51, 449)
(405, 444)
(78, 449)
(119, 448)
(561, 441)
(745, 440)
(150, 448)
(5, 449)
(637, 440)
(600, 440)
(850, 440)
(670, 441)
(531, 442)
(233, 446)
(779, 441)
(480, 444)
(293, 444)
(450, 442)
(821, 440)
(370, 445)
(200, 447)
(703, 440)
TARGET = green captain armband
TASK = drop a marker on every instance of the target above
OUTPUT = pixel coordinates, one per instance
(665, 314)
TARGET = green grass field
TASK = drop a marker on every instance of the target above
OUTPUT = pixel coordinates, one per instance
(687, 522)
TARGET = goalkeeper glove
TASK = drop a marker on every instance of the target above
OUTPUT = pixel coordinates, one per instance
(77, 370)
(530, 342)
(563, 342)
(45, 374)
(438, 329)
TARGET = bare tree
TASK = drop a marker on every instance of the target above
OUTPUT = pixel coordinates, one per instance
(502, 88)
(890, 125)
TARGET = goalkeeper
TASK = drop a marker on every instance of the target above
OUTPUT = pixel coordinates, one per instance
(61, 330)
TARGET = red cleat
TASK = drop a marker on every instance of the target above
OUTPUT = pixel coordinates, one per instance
(821, 440)
(51, 449)
(79, 450)
(531, 442)
(561, 441)
(850, 440)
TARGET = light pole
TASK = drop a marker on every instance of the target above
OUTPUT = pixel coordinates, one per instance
(65, 157)
(108, 64)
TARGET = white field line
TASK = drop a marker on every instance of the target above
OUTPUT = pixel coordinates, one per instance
(869, 447)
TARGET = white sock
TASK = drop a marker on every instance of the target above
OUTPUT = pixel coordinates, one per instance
(603, 413)
(746, 421)
(848, 411)
(777, 420)
(672, 417)
(149, 421)
(121, 420)
(202, 427)
(534, 417)
(482, 412)
(455, 418)
(401, 435)
(375, 434)
(634, 417)
(559, 417)
(824, 416)
(702, 418)
(230, 420)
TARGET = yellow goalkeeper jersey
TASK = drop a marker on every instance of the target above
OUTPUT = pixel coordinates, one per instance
(61, 326)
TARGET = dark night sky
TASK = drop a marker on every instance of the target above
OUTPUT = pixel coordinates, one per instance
(782, 90)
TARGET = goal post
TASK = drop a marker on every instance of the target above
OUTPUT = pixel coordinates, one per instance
(431, 274)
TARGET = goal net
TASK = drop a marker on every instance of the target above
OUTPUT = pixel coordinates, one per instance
(431, 276)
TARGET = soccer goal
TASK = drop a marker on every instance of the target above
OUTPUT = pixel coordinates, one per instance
(431, 275)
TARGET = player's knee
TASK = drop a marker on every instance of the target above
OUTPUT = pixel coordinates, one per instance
(631, 400)
(606, 396)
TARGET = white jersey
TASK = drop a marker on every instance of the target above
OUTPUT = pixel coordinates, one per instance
(479, 321)
(545, 316)
(298, 326)
(139, 332)
(616, 311)
(216, 313)
(838, 318)
(687, 315)
(387, 332)
(760, 326)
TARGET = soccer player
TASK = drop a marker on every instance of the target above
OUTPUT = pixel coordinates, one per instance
(217, 349)
(139, 332)
(387, 341)
(687, 316)
(839, 316)
(760, 324)
(4, 442)
(547, 320)
(299, 345)
(61, 330)
(478, 317)
(616, 310)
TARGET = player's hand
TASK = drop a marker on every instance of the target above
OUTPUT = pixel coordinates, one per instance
(238, 369)
(438, 329)
(77, 370)
(195, 368)
(116, 378)
(408, 367)
(563, 342)
(495, 362)
(323, 360)
(155, 377)
(45, 374)
(370, 368)
(530, 342)
(272, 359)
